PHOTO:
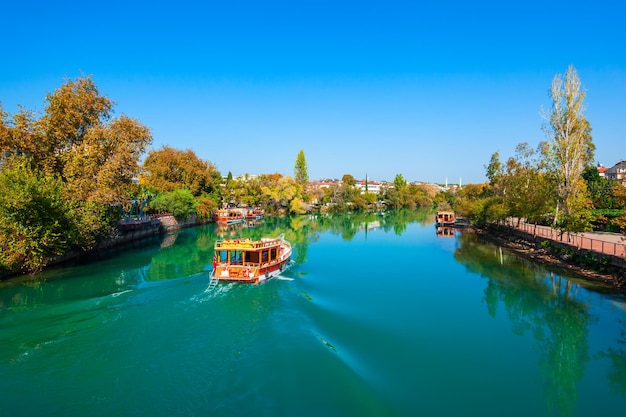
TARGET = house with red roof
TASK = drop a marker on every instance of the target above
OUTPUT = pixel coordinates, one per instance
(617, 172)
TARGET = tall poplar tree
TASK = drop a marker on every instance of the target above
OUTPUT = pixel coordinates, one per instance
(300, 171)
(569, 148)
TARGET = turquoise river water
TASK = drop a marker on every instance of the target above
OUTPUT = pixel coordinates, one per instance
(377, 316)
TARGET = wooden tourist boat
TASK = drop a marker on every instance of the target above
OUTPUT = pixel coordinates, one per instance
(252, 261)
(256, 213)
(229, 216)
(445, 218)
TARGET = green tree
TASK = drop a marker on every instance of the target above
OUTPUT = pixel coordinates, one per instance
(399, 182)
(205, 206)
(34, 217)
(17, 134)
(619, 193)
(495, 173)
(331, 194)
(75, 139)
(569, 148)
(251, 191)
(75, 149)
(300, 171)
(297, 206)
(347, 192)
(278, 191)
(71, 112)
(370, 198)
(180, 203)
(494, 169)
(399, 195)
(104, 168)
(418, 196)
(601, 190)
(472, 200)
(393, 198)
(348, 180)
(527, 189)
(168, 169)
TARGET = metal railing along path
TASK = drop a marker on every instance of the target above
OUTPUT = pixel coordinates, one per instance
(605, 243)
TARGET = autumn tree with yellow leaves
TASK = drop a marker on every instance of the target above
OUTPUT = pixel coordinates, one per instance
(75, 165)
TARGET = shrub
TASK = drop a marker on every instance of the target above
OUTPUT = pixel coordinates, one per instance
(34, 217)
(180, 203)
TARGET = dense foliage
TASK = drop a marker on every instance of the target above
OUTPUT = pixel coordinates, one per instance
(33, 216)
(168, 169)
(180, 203)
(64, 175)
(554, 184)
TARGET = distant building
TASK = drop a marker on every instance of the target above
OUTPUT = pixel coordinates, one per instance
(325, 183)
(244, 178)
(601, 171)
(617, 172)
(372, 186)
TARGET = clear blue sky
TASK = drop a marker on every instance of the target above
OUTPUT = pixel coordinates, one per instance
(426, 89)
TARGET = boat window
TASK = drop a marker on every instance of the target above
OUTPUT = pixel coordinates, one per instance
(252, 257)
(264, 256)
(273, 253)
(236, 257)
(223, 256)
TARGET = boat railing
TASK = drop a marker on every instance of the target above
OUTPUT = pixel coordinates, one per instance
(245, 244)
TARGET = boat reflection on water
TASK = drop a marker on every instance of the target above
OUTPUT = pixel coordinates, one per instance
(228, 229)
(445, 232)
(251, 224)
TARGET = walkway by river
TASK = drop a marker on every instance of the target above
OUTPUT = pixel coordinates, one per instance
(606, 243)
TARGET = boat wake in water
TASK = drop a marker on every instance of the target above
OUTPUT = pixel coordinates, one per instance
(117, 294)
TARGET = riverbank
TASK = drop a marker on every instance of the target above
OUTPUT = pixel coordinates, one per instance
(122, 237)
(550, 256)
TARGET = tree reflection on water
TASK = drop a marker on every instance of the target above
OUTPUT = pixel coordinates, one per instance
(551, 309)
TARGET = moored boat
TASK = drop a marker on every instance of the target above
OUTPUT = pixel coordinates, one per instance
(229, 216)
(445, 218)
(251, 261)
(256, 213)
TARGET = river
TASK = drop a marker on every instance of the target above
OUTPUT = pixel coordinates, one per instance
(377, 316)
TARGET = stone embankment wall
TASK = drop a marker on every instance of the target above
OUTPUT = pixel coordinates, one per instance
(160, 225)
(169, 223)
